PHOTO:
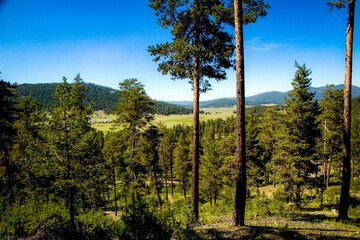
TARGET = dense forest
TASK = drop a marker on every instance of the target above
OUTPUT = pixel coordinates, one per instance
(103, 98)
(57, 171)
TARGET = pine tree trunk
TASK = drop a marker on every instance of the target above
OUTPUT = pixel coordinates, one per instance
(240, 197)
(171, 176)
(196, 123)
(330, 162)
(125, 199)
(166, 187)
(324, 165)
(114, 182)
(184, 192)
(158, 190)
(195, 153)
(133, 175)
(346, 170)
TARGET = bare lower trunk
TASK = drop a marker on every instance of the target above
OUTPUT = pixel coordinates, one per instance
(330, 162)
(195, 153)
(325, 165)
(240, 195)
(166, 187)
(114, 182)
(195, 160)
(346, 170)
(171, 176)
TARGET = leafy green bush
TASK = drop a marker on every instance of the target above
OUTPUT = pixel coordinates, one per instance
(355, 185)
(261, 205)
(332, 196)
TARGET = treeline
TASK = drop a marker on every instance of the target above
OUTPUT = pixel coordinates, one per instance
(164, 108)
(104, 98)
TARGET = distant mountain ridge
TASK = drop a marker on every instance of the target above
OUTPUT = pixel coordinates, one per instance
(106, 98)
(273, 97)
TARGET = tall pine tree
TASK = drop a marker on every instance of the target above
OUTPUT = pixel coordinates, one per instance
(134, 111)
(201, 49)
(346, 166)
(331, 119)
(244, 12)
(295, 147)
(76, 149)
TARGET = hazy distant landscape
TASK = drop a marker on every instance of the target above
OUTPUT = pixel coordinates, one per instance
(106, 98)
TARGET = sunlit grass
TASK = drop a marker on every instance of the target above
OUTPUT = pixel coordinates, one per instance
(168, 121)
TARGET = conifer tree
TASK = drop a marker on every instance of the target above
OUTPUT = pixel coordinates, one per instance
(295, 146)
(114, 151)
(200, 50)
(165, 149)
(182, 162)
(346, 166)
(151, 156)
(30, 151)
(7, 132)
(76, 148)
(331, 118)
(134, 110)
(270, 127)
(256, 169)
(211, 174)
(252, 10)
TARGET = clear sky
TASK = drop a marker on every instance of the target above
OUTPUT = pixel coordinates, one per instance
(106, 42)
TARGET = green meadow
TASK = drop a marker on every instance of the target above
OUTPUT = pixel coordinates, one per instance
(168, 121)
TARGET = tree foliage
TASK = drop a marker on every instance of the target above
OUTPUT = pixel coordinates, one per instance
(293, 160)
(7, 132)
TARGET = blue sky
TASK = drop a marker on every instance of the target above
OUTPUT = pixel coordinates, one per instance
(106, 42)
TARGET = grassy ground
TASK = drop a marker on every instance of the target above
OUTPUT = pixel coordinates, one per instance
(169, 121)
(303, 225)
(267, 218)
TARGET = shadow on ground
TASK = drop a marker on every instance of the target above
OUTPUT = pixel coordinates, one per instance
(261, 232)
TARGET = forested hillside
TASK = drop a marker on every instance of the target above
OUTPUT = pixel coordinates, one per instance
(104, 98)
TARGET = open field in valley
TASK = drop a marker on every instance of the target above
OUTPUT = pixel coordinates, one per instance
(169, 121)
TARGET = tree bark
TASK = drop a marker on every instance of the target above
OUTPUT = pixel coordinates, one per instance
(171, 176)
(240, 195)
(346, 170)
(195, 153)
(114, 178)
(157, 188)
(325, 165)
(330, 162)
(166, 186)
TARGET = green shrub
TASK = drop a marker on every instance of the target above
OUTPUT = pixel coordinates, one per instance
(261, 205)
(355, 185)
(332, 196)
